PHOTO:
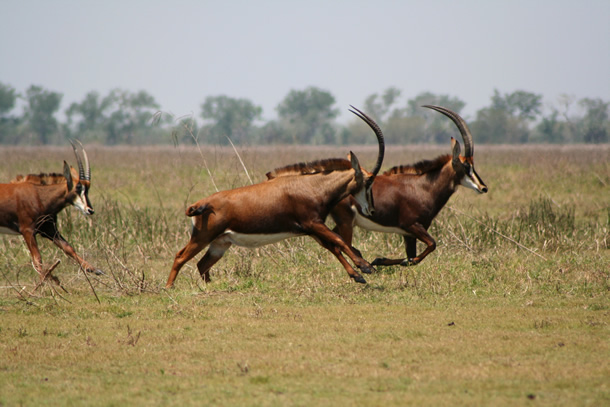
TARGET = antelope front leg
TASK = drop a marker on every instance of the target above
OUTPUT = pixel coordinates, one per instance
(344, 226)
(30, 241)
(48, 230)
(69, 250)
(416, 231)
(333, 243)
(48, 273)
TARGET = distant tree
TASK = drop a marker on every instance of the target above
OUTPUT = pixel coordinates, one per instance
(308, 115)
(119, 117)
(566, 119)
(525, 105)
(507, 119)
(357, 132)
(437, 128)
(8, 97)
(8, 124)
(378, 107)
(400, 129)
(497, 126)
(595, 125)
(131, 116)
(89, 116)
(233, 118)
(552, 129)
(184, 130)
(273, 132)
(414, 106)
(40, 112)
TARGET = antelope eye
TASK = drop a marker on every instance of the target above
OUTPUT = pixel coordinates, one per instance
(79, 188)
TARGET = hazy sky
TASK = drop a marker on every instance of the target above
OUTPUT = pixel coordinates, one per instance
(183, 51)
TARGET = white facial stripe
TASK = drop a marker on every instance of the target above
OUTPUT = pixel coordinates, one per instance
(363, 202)
(469, 182)
(81, 203)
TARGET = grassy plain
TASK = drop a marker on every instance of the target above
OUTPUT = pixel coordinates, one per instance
(512, 308)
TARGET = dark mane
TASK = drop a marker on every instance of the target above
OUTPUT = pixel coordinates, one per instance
(40, 179)
(421, 167)
(313, 167)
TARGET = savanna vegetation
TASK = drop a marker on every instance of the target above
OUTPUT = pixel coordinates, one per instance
(304, 116)
(512, 308)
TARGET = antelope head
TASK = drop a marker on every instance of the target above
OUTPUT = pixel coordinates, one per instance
(463, 165)
(79, 183)
(364, 194)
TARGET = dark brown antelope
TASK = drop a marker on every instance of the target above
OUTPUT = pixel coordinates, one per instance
(408, 197)
(29, 206)
(295, 203)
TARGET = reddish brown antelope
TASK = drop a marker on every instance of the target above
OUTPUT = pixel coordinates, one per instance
(286, 206)
(29, 206)
(408, 197)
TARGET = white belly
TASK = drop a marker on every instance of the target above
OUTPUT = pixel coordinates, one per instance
(368, 224)
(7, 231)
(253, 240)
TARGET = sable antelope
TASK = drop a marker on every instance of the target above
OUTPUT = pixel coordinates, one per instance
(295, 203)
(408, 197)
(29, 206)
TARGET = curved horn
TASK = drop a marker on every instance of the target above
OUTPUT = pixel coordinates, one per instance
(84, 172)
(87, 167)
(380, 140)
(462, 126)
(81, 170)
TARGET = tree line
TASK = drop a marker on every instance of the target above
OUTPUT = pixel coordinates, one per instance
(305, 116)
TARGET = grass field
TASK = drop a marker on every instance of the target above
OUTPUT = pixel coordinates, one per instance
(512, 308)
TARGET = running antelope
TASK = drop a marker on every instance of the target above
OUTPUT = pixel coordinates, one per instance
(408, 197)
(29, 206)
(286, 206)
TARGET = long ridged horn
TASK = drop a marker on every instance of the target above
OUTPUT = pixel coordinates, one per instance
(84, 172)
(87, 167)
(380, 140)
(461, 125)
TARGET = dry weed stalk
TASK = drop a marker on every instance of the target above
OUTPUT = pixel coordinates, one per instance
(496, 232)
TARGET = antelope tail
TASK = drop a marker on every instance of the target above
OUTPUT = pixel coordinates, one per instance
(197, 209)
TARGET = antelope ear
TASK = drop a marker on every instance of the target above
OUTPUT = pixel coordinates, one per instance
(356, 166)
(455, 147)
(68, 176)
(354, 161)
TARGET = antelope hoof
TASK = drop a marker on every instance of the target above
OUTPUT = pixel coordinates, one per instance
(367, 269)
(380, 261)
(409, 262)
(97, 272)
(359, 279)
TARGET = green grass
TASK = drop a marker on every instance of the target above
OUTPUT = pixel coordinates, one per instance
(512, 308)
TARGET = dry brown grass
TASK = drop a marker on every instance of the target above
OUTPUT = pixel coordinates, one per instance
(481, 321)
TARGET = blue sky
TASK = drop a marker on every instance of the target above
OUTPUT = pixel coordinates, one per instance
(183, 51)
